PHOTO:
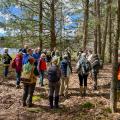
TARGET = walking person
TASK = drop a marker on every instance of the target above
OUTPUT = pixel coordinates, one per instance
(42, 67)
(54, 75)
(83, 67)
(65, 74)
(6, 59)
(17, 65)
(29, 81)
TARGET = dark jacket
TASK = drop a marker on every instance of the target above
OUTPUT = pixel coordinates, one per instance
(54, 73)
(6, 58)
(64, 67)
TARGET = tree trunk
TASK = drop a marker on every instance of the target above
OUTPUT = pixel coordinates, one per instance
(52, 29)
(105, 32)
(113, 95)
(110, 33)
(40, 23)
(95, 29)
(98, 27)
(85, 24)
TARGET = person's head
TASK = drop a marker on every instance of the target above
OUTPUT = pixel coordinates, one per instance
(65, 56)
(5, 50)
(57, 53)
(43, 56)
(83, 55)
(54, 61)
(26, 46)
(35, 50)
(20, 54)
(31, 60)
(29, 51)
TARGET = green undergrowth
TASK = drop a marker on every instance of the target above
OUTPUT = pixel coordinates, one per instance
(88, 105)
(36, 98)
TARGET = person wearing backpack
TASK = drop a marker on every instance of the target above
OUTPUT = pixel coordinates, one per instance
(29, 81)
(95, 66)
(65, 74)
(42, 67)
(83, 67)
(17, 65)
(6, 59)
(27, 55)
(54, 75)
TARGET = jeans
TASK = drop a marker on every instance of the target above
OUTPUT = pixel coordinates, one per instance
(83, 79)
(28, 93)
(41, 77)
(18, 77)
(6, 68)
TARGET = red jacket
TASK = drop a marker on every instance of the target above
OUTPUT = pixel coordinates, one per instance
(42, 65)
(18, 62)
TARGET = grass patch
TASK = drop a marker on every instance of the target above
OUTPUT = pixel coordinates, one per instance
(36, 98)
(88, 105)
(108, 110)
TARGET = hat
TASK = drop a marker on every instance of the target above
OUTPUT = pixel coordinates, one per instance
(83, 55)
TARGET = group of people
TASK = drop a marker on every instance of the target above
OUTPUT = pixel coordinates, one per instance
(32, 64)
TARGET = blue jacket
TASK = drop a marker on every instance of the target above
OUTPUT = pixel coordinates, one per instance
(65, 69)
(25, 58)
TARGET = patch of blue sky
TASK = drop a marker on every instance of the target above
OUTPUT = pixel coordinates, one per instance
(16, 11)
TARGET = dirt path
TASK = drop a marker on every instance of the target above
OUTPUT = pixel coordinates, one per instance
(95, 106)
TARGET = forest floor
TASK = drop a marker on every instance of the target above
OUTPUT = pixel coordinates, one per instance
(95, 106)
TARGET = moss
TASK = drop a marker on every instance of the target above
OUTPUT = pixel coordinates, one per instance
(36, 98)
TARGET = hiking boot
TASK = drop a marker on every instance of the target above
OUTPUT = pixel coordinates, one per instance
(17, 86)
(56, 102)
(51, 102)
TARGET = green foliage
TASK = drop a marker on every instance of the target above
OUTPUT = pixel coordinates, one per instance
(108, 110)
(88, 105)
(36, 98)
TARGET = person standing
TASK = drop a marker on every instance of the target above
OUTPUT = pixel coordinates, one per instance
(18, 67)
(65, 74)
(6, 59)
(42, 67)
(54, 75)
(29, 83)
(83, 67)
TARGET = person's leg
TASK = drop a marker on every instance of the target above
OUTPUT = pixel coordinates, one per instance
(66, 85)
(51, 92)
(41, 77)
(85, 83)
(62, 86)
(6, 71)
(81, 83)
(25, 94)
(31, 91)
(18, 75)
(57, 88)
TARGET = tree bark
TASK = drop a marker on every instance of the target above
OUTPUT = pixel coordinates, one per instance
(98, 27)
(85, 24)
(52, 29)
(113, 95)
(110, 33)
(40, 22)
(105, 32)
(95, 29)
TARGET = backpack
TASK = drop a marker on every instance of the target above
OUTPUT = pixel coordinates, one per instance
(13, 64)
(95, 62)
(85, 66)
